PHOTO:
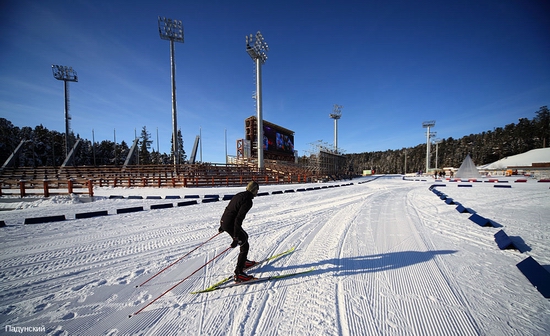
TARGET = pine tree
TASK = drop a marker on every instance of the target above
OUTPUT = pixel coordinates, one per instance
(144, 145)
(542, 121)
(181, 158)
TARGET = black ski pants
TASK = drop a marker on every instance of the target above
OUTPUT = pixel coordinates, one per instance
(243, 253)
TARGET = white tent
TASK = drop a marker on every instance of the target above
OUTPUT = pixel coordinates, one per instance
(467, 169)
(524, 159)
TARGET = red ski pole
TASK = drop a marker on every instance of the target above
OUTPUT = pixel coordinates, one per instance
(169, 289)
(175, 262)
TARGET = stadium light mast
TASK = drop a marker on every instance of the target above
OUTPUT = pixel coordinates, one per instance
(66, 74)
(336, 114)
(172, 30)
(257, 50)
(437, 142)
(427, 125)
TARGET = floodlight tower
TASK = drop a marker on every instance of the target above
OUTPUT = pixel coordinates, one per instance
(427, 125)
(257, 50)
(336, 114)
(66, 74)
(437, 142)
(172, 30)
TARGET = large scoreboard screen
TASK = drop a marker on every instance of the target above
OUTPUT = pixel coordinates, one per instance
(278, 142)
(275, 140)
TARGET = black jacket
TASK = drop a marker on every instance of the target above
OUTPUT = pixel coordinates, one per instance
(235, 212)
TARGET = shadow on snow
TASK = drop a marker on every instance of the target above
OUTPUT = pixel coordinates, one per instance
(366, 264)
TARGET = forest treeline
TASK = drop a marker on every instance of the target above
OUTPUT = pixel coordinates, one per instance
(46, 148)
(484, 148)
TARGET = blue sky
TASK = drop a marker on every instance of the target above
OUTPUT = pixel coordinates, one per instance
(469, 65)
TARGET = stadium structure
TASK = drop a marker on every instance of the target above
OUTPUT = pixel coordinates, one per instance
(278, 147)
(282, 165)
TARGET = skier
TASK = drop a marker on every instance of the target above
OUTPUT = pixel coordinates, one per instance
(231, 222)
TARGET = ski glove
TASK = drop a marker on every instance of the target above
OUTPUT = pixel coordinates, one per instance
(236, 242)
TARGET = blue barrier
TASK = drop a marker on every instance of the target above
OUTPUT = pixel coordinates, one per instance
(211, 196)
(502, 186)
(135, 197)
(210, 200)
(227, 197)
(172, 197)
(504, 241)
(464, 185)
(289, 191)
(276, 192)
(449, 201)
(479, 220)
(161, 206)
(265, 193)
(127, 210)
(116, 197)
(47, 219)
(439, 193)
(191, 196)
(154, 197)
(91, 214)
(186, 203)
(536, 274)
(460, 208)
(2, 224)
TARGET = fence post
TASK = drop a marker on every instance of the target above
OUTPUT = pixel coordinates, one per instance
(91, 188)
(46, 190)
(159, 181)
(70, 186)
(22, 188)
(114, 182)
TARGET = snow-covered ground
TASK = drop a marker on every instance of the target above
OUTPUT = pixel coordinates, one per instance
(390, 258)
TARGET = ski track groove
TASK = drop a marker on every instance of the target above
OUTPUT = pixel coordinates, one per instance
(324, 238)
(408, 305)
(361, 285)
(284, 231)
(452, 289)
(281, 238)
(71, 253)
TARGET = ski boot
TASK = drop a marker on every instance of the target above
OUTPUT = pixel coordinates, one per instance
(243, 277)
(249, 263)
